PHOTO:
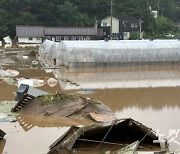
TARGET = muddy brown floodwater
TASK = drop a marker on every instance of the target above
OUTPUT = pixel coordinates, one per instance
(157, 107)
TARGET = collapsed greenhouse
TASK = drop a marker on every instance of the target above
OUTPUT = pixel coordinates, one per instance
(110, 53)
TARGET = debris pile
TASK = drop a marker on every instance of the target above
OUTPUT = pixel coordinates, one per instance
(118, 135)
(64, 105)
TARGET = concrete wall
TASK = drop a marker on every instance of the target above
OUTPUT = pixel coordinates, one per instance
(28, 40)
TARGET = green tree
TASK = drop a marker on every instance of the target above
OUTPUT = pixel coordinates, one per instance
(164, 25)
(26, 18)
(4, 31)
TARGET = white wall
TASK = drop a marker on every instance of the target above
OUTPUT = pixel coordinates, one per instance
(115, 23)
(35, 40)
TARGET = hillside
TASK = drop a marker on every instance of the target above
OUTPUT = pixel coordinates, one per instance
(84, 13)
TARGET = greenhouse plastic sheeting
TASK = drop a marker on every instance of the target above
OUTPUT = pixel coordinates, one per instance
(121, 52)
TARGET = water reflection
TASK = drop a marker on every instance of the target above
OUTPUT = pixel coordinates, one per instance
(37, 140)
(2, 145)
(29, 121)
(122, 77)
(149, 95)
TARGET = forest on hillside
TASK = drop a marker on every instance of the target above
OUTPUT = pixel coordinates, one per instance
(86, 12)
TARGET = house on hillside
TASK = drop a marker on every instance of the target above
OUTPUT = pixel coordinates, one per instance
(122, 27)
(35, 35)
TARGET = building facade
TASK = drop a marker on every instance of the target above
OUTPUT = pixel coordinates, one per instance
(121, 27)
(35, 35)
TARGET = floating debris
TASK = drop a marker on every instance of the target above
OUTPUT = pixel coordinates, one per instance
(63, 105)
(31, 82)
(87, 91)
(9, 73)
(52, 82)
(25, 57)
(5, 111)
(117, 137)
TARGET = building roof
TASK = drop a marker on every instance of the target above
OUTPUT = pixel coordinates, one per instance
(70, 31)
(29, 31)
(42, 31)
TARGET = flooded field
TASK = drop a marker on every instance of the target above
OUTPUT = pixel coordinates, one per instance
(148, 95)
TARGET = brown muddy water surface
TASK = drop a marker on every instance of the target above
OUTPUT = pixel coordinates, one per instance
(157, 107)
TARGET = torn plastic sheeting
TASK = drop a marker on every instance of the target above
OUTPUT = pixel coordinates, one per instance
(10, 81)
(12, 73)
(9, 73)
(7, 40)
(31, 82)
(3, 115)
(52, 82)
(5, 111)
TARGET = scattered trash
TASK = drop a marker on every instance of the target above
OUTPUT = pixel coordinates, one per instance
(10, 81)
(101, 117)
(2, 134)
(5, 111)
(46, 68)
(68, 81)
(121, 135)
(3, 115)
(34, 62)
(87, 91)
(25, 57)
(25, 81)
(52, 82)
(7, 40)
(12, 73)
(31, 82)
(9, 73)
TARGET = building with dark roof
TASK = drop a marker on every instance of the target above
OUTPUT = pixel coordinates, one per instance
(122, 27)
(35, 35)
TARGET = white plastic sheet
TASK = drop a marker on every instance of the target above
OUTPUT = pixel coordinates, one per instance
(92, 53)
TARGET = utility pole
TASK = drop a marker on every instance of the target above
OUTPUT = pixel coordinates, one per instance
(140, 29)
(111, 19)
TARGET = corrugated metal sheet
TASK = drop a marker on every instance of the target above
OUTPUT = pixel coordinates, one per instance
(42, 31)
(71, 31)
(29, 31)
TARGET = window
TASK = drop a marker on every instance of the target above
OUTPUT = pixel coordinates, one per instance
(132, 25)
(48, 37)
(125, 34)
(58, 38)
(30, 38)
(115, 35)
(104, 24)
(38, 38)
(135, 24)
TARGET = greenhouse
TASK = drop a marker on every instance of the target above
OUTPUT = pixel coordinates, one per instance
(112, 53)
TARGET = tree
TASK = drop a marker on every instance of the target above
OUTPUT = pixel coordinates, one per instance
(70, 16)
(4, 31)
(26, 18)
(164, 25)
